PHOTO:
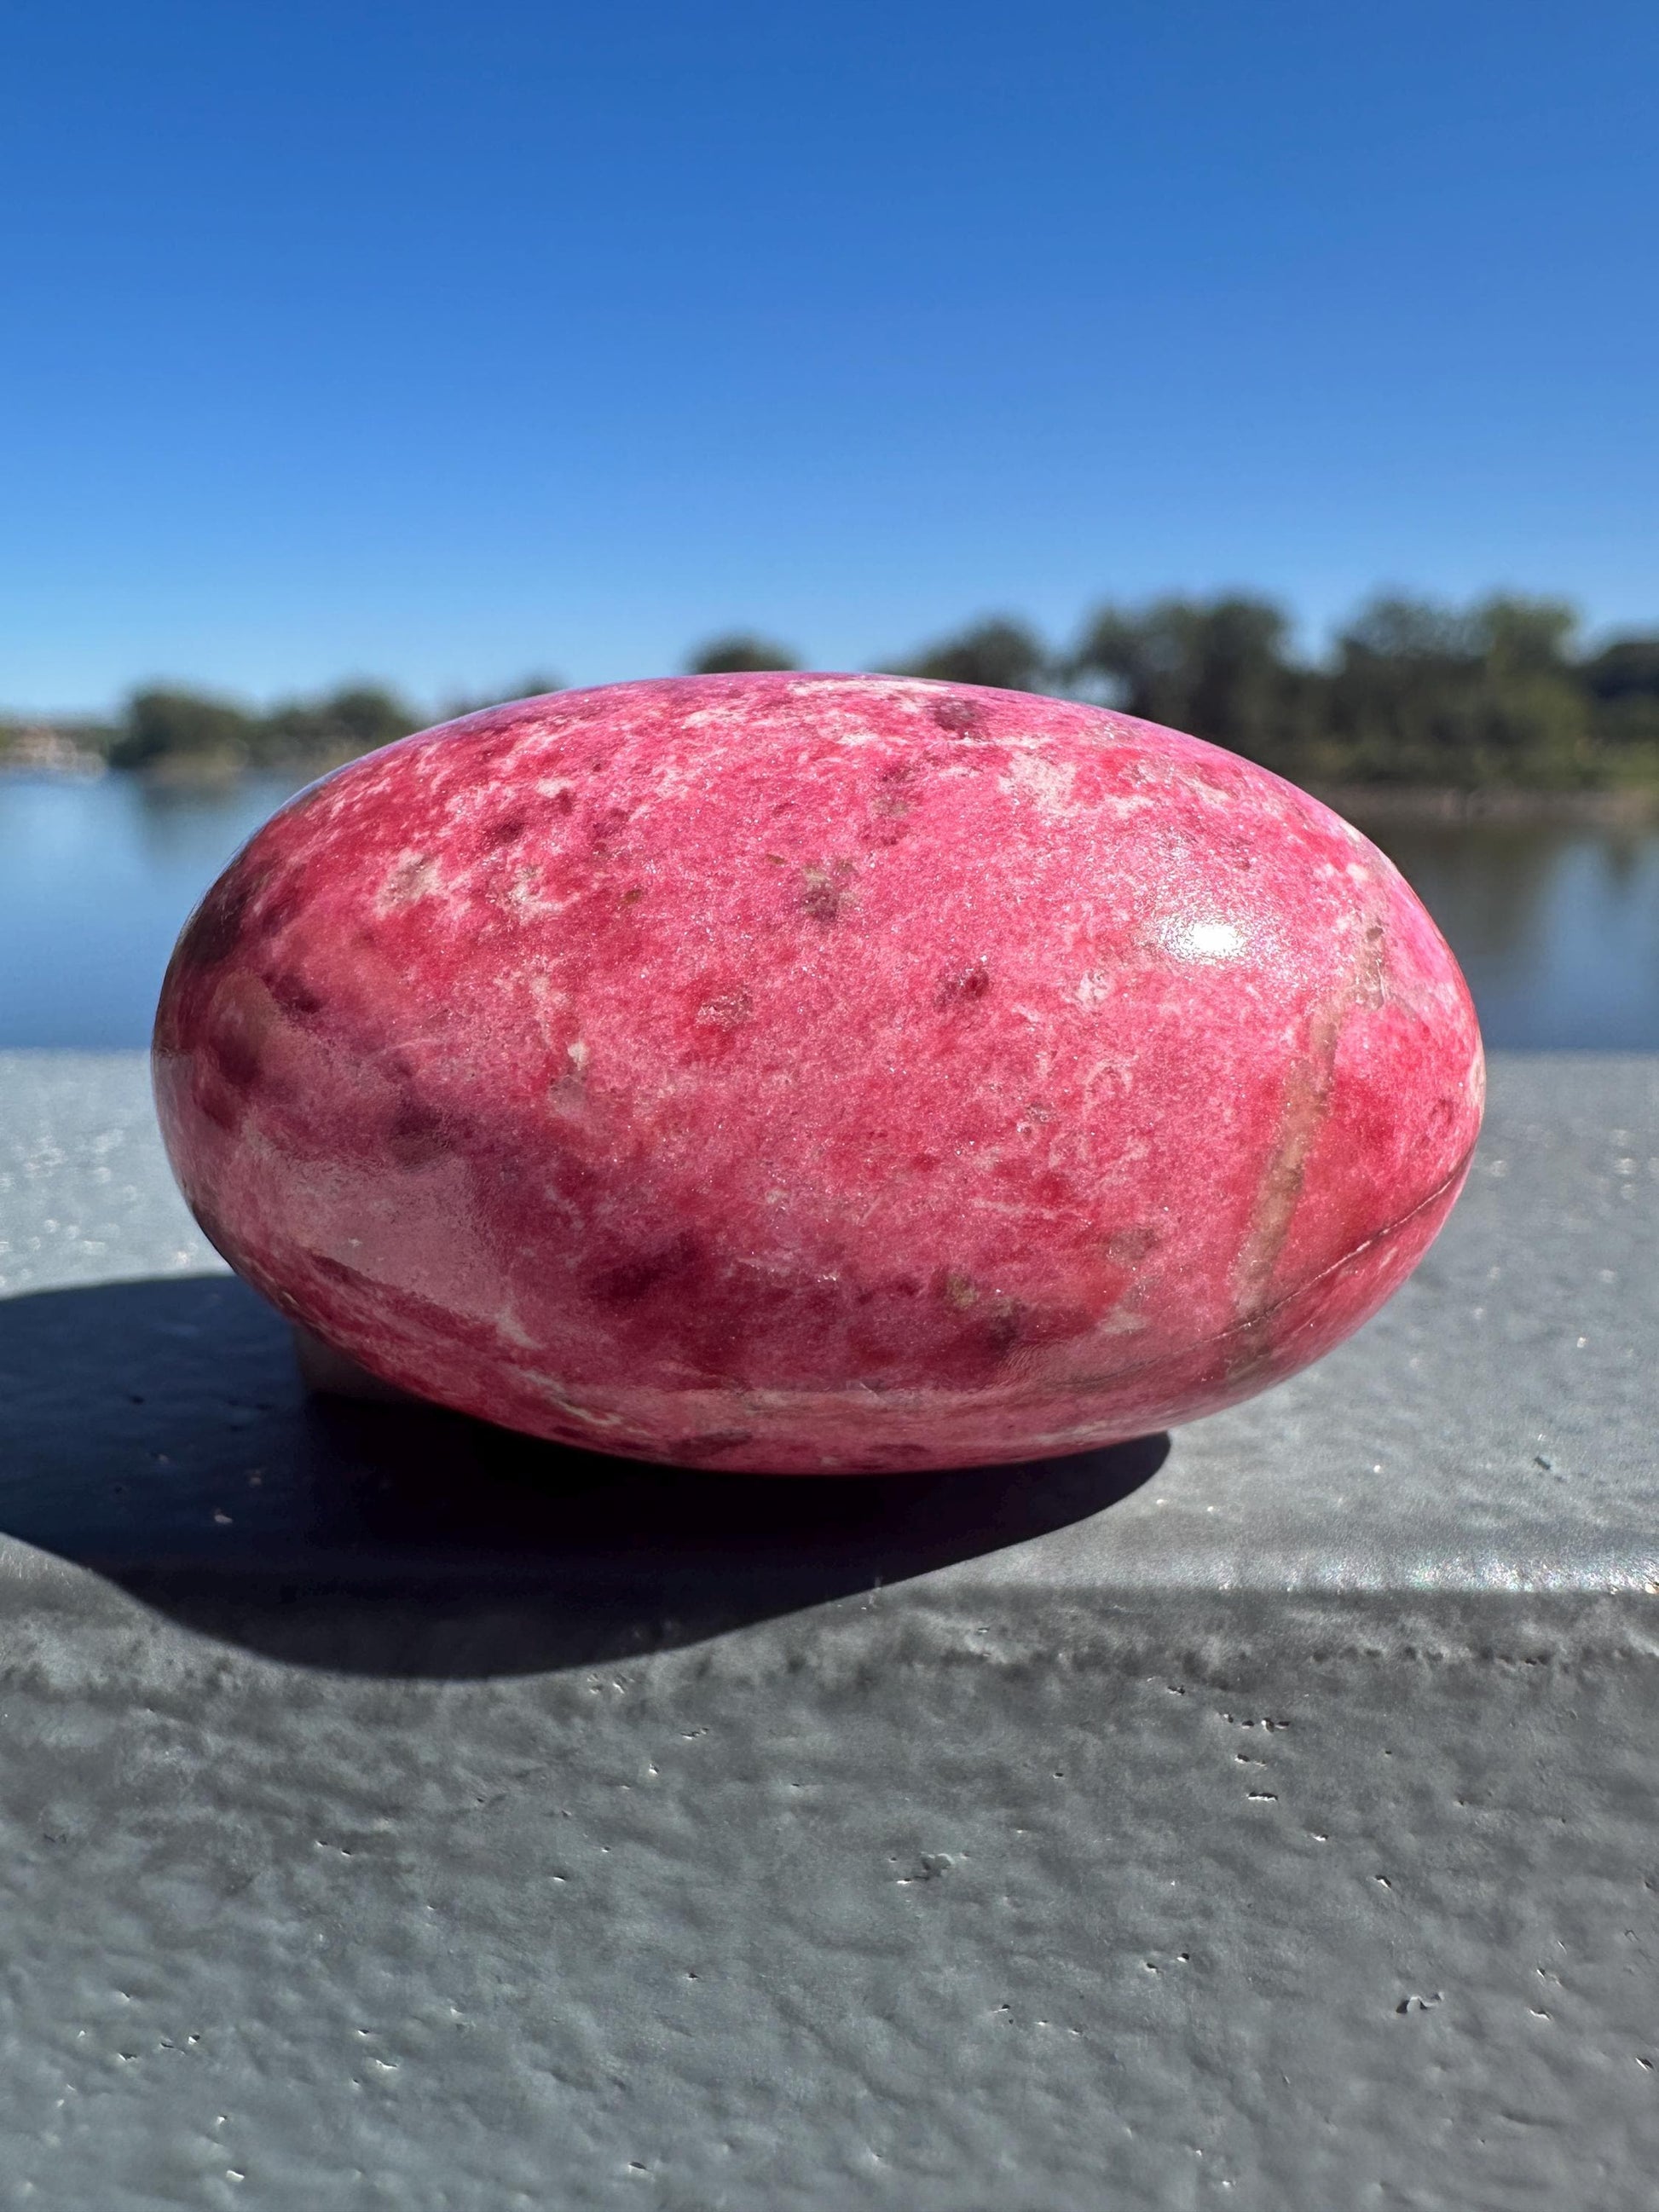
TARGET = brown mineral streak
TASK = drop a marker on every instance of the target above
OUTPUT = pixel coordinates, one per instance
(1243, 1336)
(1307, 1103)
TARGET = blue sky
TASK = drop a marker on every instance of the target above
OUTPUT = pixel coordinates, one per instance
(449, 342)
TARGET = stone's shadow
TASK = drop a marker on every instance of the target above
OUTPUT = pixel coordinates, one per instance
(157, 1431)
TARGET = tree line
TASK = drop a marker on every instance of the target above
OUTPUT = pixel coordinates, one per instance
(1412, 691)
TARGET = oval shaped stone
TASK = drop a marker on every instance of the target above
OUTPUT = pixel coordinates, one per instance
(818, 1073)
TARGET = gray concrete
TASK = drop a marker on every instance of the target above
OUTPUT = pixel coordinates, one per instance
(398, 1813)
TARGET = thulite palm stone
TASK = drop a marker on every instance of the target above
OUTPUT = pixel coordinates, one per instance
(798, 1074)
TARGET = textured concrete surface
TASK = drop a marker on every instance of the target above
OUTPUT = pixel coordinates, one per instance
(398, 1813)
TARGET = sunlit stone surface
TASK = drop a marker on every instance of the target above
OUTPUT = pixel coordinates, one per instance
(818, 1073)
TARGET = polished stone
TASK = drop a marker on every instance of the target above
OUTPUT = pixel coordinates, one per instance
(790, 1074)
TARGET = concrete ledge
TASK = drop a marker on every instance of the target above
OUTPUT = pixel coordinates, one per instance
(1493, 1429)
(396, 1813)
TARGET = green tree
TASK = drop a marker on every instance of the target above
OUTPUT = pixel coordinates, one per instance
(1622, 682)
(741, 654)
(1489, 694)
(164, 721)
(1003, 653)
(1626, 669)
(356, 718)
(1216, 668)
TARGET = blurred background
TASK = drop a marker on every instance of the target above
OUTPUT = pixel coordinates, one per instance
(1286, 374)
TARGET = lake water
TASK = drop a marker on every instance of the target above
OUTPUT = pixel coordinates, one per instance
(1557, 928)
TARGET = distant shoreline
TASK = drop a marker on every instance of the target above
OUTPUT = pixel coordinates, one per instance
(1623, 806)
(1628, 807)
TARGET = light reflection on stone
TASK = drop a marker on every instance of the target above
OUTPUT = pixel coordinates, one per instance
(1205, 941)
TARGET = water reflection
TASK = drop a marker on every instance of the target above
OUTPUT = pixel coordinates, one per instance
(95, 881)
(1557, 927)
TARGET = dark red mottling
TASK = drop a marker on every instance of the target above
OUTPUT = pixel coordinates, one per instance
(818, 1073)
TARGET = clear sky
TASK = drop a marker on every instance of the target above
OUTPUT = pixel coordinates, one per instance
(445, 341)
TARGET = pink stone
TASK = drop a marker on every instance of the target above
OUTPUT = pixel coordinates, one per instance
(803, 1074)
